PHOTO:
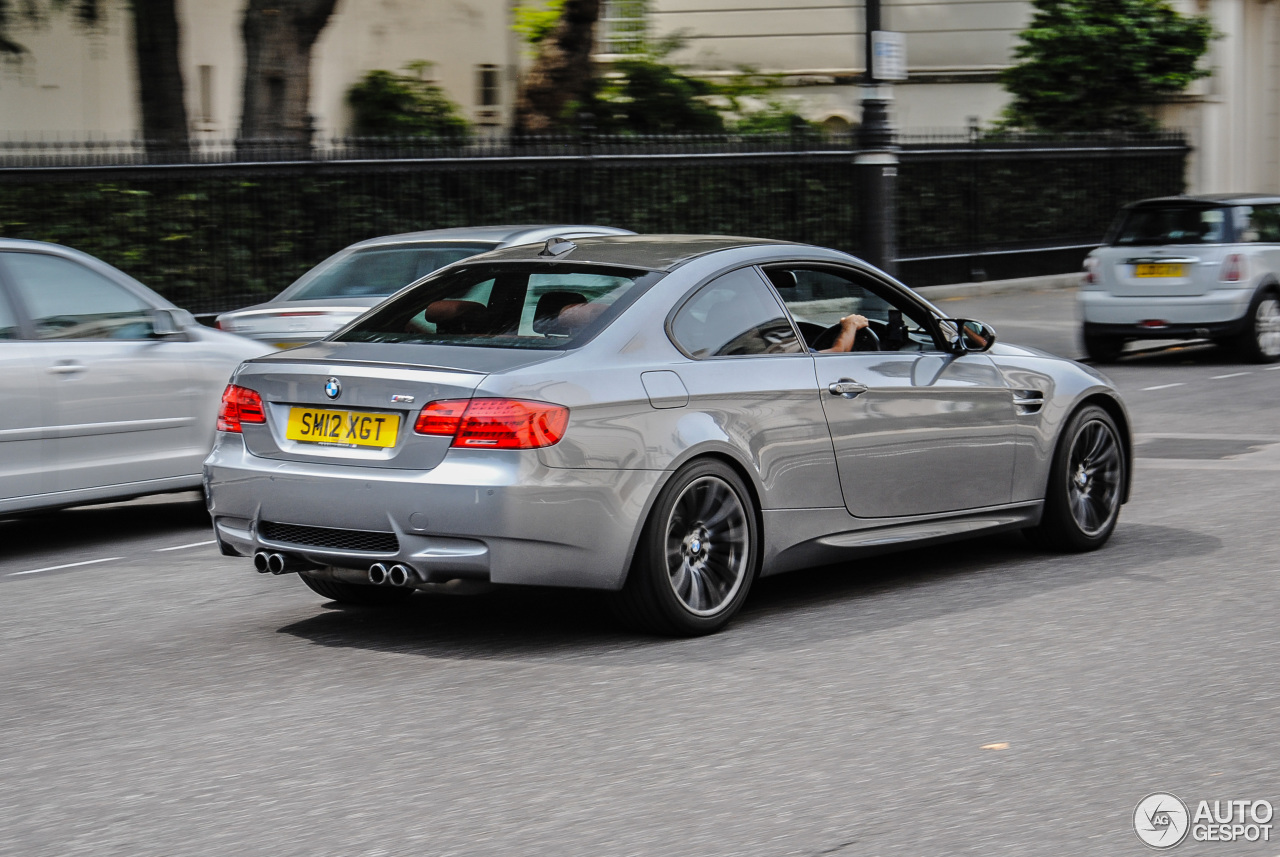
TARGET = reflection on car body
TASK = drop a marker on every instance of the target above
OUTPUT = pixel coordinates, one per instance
(654, 415)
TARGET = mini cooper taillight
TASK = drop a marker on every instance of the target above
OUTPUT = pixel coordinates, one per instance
(1232, 269)
(494, 423)
(239, 405)
(1090, 271)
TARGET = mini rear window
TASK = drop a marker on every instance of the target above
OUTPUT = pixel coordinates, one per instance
(527, 305)
(1151, 226)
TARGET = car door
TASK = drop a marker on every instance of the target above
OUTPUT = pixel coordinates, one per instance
(22, 417)
(916, 430)
(753, 380)
(120, 407)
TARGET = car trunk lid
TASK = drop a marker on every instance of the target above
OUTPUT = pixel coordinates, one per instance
(333, 403)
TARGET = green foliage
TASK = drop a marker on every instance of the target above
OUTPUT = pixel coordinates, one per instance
(535, 21)
(1098, 65)
(646, 94)
(386, 104)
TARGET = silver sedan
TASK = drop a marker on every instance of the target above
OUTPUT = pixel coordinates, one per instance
(109, 391)
(667, 417)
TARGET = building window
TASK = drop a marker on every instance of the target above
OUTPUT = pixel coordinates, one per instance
(623, 26)
(206, 95)
(488, 86)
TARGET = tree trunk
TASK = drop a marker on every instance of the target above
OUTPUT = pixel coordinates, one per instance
(160, 89)
(561, 76)
(278, 37)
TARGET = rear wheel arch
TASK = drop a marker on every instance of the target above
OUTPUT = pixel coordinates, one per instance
(733, 462)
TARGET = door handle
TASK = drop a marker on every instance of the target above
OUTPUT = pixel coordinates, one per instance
(66, 368)
(846, 387)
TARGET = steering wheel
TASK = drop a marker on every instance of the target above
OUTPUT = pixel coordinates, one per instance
(866, 339)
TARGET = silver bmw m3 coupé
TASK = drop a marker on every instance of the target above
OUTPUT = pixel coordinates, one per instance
(666, 417)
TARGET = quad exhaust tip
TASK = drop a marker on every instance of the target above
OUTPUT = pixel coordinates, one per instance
(279, 563)
(395, 575)
(261, 562)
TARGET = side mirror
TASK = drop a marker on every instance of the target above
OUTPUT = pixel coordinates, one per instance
(967, 335)
(165, 323)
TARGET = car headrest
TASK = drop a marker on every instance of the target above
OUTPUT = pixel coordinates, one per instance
(451, 316)
(546, 316)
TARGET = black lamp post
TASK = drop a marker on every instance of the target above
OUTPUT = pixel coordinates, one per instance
(877, 160)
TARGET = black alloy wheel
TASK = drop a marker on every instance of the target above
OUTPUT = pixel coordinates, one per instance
(698, 554)
(1086, 484)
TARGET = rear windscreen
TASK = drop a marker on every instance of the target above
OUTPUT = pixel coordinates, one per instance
(519, 305)
(1174, 224)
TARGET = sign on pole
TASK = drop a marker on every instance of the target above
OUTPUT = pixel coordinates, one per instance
(888, 55)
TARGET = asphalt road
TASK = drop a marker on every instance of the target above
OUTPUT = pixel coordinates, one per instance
(978, 698)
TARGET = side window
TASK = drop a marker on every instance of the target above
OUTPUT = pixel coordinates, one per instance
(1258, 223)
(734, 314)
(8, 323)
(818, 298)
(66, 300)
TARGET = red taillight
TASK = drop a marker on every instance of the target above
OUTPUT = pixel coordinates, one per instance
(1232, 269)
(1090, 271)
(441, 418)
(239, 405)
(494, 423)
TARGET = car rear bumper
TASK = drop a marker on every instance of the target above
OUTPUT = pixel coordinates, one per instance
(1218, 310)
(490, 515)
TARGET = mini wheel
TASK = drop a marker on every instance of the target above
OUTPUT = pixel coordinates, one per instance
(1086, 484)
(698, 553)
(1103, 349)
(1260, 341)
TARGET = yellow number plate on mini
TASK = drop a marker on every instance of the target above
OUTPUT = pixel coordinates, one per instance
(1160, 270)
(344, 428)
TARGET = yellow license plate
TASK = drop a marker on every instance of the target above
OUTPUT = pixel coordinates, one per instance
(346, 428)
(1160, 270)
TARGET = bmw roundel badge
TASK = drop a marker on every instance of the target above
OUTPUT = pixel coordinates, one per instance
(332, 388)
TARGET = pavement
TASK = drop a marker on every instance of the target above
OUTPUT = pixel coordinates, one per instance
(976, 698)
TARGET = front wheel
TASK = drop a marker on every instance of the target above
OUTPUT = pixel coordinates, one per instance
(1086, 484)
(1260, 342)
(698, 553)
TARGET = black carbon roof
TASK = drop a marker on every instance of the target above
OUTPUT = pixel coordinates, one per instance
(655, 252)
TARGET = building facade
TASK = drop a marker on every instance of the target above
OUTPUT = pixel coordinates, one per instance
(77, 83)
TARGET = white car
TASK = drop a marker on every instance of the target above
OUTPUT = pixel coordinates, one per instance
(353, 280)
(109, 391)
(1203, 267)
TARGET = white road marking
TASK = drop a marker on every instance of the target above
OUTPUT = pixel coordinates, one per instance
(184, 547)
(1271, 368)
(1232, 375)
(1162, 386)
(68, 565)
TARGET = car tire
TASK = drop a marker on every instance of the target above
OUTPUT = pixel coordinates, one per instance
(698, 554)
(361, 594)
(1260, 341)
(1086, 484)
(1100, 348)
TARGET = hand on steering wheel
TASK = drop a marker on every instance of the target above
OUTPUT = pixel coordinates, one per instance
(851, 333)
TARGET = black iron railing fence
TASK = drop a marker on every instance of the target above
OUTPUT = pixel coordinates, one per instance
(224, 223)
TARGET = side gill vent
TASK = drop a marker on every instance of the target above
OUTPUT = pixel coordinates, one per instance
(1028, 401)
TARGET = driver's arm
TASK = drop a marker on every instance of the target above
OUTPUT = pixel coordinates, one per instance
(849, 327)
